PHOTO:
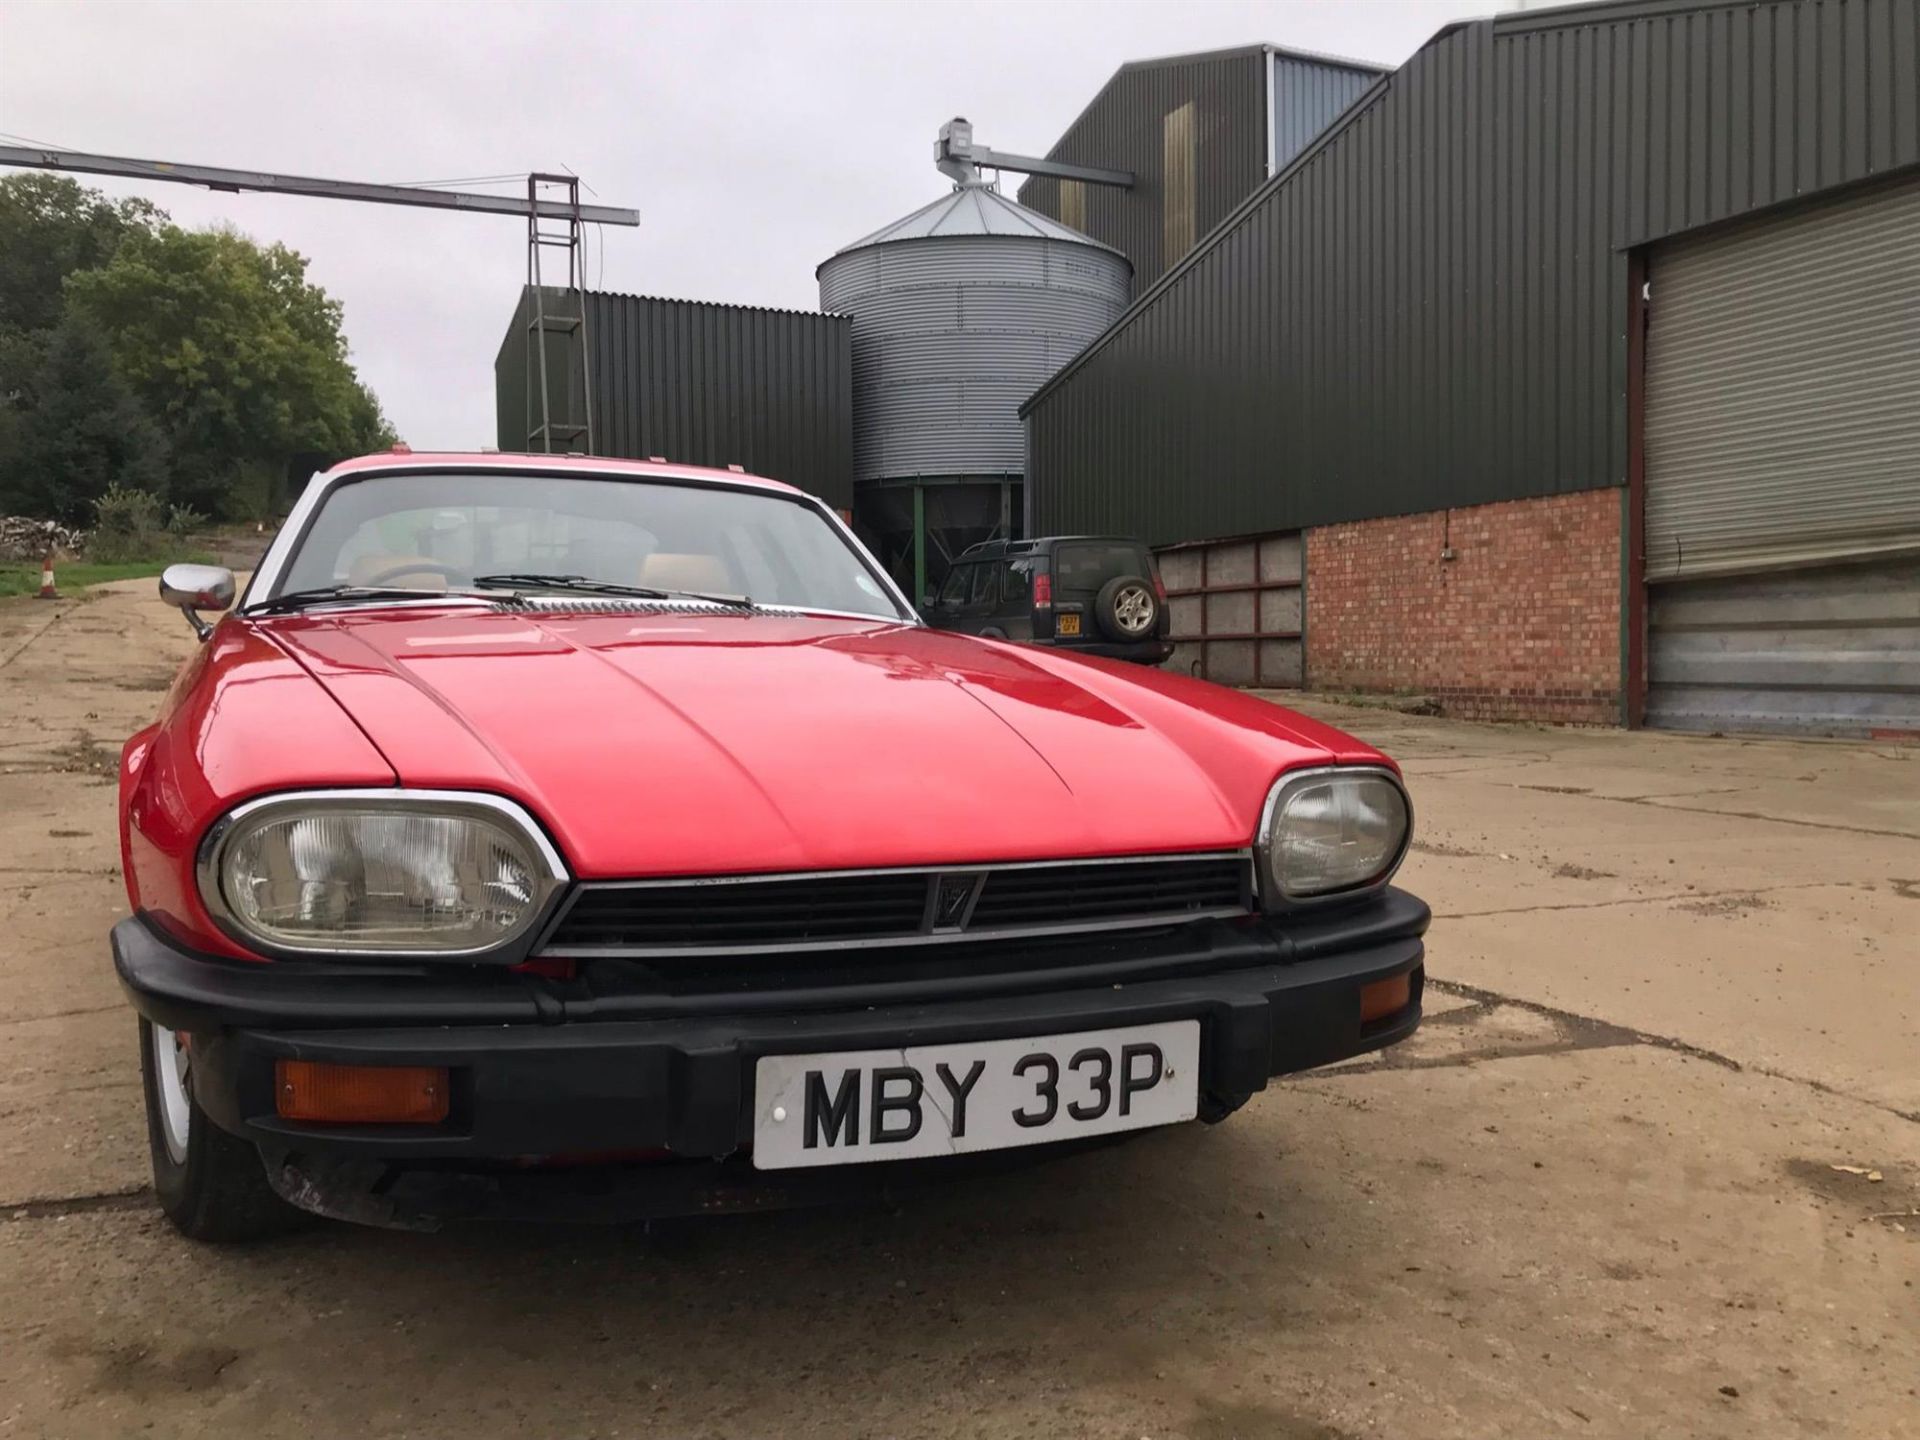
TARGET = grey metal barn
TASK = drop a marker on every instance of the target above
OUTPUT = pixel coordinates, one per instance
(700, 383)
(1447, 300)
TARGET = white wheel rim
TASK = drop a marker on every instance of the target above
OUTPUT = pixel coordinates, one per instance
(1133, 608)
(171, 1061)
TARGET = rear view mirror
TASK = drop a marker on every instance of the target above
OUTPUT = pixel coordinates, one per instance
(193, 588)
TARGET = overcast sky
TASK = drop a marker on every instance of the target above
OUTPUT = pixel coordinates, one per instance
(754, 139)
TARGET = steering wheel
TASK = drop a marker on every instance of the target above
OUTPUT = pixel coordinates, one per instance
(412, 567)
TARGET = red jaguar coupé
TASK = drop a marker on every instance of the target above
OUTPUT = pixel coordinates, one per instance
(553, 835)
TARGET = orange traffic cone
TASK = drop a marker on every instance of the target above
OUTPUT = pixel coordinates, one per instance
(47, 592)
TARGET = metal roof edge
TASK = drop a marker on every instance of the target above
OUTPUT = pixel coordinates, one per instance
(872, 237)
(873, 240)
(1228, 52)
(1320, 57)
(713, 304)
(1587, 12)
(1153, 62)
(1087, 240)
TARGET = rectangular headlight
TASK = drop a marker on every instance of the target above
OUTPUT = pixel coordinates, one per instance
(385, 872)
(1329, 832)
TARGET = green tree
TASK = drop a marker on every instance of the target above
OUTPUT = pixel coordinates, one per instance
(50, 227)
(80, 432)
(233, 352)
(20, 354)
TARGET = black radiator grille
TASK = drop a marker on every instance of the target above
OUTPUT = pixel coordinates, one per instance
(1056, 894)
(771, 912)
(899, 905)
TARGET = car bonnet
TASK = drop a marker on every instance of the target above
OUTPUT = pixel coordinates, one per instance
(713, 744)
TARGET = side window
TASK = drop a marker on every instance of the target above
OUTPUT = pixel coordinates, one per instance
(1017, 583)
(955, 588)
(986, 584)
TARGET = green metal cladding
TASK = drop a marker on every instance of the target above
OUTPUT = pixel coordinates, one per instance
(1427, 308)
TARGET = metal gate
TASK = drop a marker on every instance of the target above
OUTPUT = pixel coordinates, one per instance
(1783, 472)
(1234, 609)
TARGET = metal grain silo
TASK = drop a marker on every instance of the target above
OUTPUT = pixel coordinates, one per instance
(960, 311)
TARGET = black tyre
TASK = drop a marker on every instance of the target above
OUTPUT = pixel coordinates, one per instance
(211, 1185)
(993, 632)
(1126, 608)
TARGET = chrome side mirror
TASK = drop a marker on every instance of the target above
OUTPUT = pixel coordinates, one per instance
(193, 588)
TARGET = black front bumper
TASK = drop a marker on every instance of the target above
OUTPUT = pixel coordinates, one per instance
(542, 1069)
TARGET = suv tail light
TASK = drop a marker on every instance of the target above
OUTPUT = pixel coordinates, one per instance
(1043, 591)
(1159, 587)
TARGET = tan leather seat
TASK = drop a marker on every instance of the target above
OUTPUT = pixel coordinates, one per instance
(676, 570)
(391, 570)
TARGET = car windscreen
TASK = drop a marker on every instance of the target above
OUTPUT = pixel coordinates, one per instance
(1089, 564)
(442, 530)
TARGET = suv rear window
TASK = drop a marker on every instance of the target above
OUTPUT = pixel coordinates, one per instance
(1017, 582)
(1088, 566)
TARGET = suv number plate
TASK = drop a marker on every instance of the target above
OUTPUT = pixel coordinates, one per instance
(856, 1106)
(1067, 624)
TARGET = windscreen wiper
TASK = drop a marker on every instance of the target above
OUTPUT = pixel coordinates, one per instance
(324, 594)
(530, 580)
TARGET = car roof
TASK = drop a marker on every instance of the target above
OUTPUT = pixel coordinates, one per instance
(402, 459)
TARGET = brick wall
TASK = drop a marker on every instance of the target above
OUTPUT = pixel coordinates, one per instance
(1523, 624)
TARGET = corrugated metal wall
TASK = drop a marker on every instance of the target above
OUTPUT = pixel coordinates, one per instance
(1124, 129)
(1429, 308)
(705, 384)
(516, 378)
(1307, 96)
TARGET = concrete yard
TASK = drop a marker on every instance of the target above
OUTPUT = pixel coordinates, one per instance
(1675, 987)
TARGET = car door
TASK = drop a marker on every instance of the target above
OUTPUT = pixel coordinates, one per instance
(983, 594)
(1013, 616)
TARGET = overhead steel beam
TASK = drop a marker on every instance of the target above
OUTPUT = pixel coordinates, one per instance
(955, 154)
(1058, 169)
(215, 178)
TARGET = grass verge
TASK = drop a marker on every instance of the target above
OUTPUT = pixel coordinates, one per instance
(24, 578)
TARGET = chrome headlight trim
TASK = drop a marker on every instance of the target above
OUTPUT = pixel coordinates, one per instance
(495, 809)
(1271, 897)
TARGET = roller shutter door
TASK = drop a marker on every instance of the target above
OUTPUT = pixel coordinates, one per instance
(1783, 472)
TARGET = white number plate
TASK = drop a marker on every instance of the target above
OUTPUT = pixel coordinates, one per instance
(863, 1105)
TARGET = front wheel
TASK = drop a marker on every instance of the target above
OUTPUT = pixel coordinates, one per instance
(211, 1185)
